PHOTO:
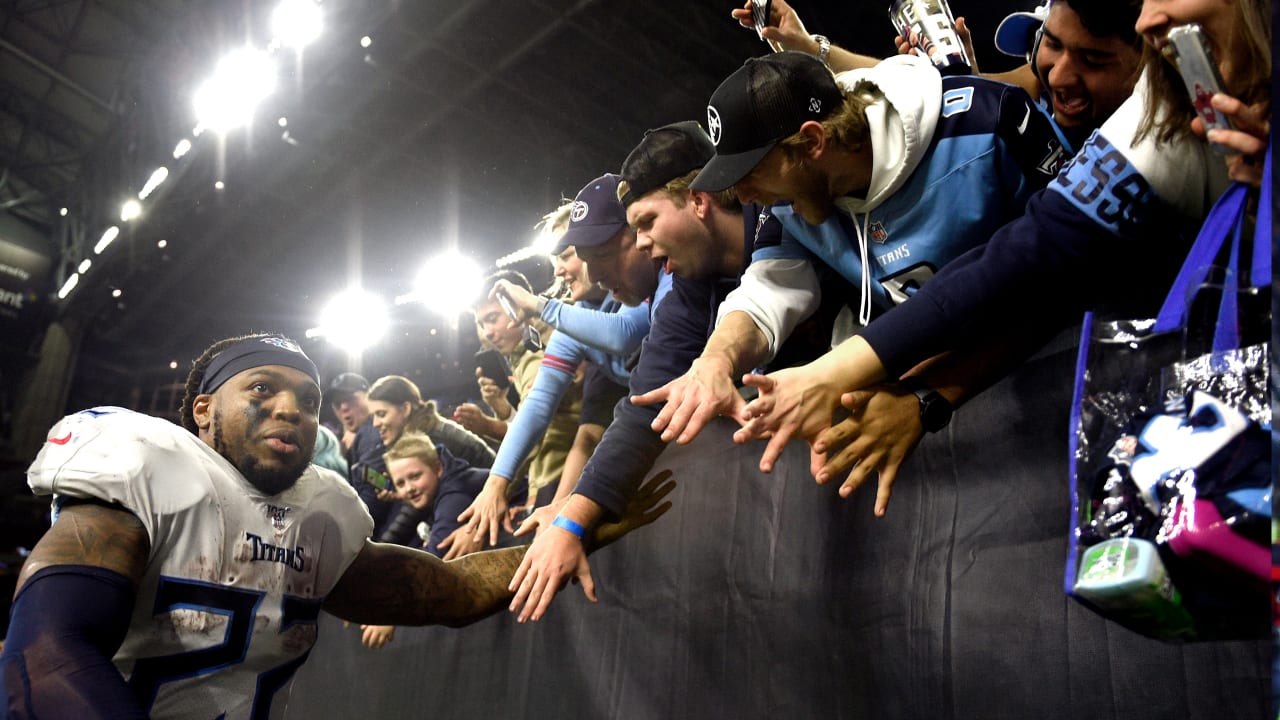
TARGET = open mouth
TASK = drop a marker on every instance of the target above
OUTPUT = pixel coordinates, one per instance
(1068, 104)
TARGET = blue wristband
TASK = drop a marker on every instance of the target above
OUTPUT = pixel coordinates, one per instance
(565, 523)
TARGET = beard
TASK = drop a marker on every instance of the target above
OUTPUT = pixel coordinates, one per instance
(271, 480)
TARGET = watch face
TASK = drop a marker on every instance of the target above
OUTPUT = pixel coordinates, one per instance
(935, 411)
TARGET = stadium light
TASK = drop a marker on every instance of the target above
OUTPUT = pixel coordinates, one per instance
(107, 236)
(153, 182)
(130, 210)
(242, 80)
(295, 23)
(354, 320)
(68, 286)
(447, 284)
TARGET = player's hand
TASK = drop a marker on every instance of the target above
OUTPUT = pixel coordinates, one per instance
(461, 541)
(881, 431)
(488, 512)
(1247, 143)
(783, 29)
(642, 509)
(692, 400)
(555, 556)
(376, 636)
(522, 301)
(796, 402)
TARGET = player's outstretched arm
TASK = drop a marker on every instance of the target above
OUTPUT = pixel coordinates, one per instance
(71, 612)
(394, 585)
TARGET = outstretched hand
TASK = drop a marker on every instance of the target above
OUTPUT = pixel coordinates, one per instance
(693, 400)
(462, 541)
(881, 431)
(488, 512)
(644, 507)
(796, 402)
(558, 556)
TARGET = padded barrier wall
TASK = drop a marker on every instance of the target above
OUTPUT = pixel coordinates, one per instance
(767, 596)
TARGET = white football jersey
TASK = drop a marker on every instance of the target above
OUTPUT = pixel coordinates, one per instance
(226, 611)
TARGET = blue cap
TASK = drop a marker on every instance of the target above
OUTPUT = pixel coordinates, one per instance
(1016, 33)
(596, 215)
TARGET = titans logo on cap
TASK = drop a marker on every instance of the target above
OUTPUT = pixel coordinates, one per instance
(283, 344)
(578, 211)
(713, 124)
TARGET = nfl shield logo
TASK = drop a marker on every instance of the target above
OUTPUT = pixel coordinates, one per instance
(877, 232)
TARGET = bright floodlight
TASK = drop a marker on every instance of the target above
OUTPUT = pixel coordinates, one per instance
(448, 284)
(107, 237)
(68, 286)
(153, 182)
(295, 23)
(241, 80)
(182, 148)
(85, 264)
(130, 210)
(354, 320)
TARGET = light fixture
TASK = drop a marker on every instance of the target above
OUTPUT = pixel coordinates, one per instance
(182, 148)
(354, 320)
(295, 23)
(107, 236)
(130, 210)
(366, 41)
(62, 212)
(447, 284)
(153, 182)
(162, 244)
(242, 79)
(68, 286)
(85, 264)
(117, 293)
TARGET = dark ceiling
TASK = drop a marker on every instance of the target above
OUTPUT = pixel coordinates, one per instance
(460, 125)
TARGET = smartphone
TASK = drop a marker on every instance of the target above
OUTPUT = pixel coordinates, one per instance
(760, 16)
(1191, 55)
(507, 307)
(493, 366)
(377, 479)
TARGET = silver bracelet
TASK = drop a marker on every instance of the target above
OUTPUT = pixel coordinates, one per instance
(824, 48)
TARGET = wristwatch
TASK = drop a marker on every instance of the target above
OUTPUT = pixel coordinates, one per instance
(824, 48)
(935, 410)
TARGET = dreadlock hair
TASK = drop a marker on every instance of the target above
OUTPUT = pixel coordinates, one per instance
(196, 376)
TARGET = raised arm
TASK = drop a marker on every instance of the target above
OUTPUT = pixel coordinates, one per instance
(785, 31)
(71, 612)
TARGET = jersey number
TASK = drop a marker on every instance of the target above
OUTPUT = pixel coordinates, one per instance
(239, 606)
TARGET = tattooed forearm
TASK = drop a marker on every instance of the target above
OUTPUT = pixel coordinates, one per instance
(392, 585)
(92, 534)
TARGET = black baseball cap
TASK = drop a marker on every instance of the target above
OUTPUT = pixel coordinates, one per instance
(665, 154)
(596, 215)
(762, 102)
(346, 384)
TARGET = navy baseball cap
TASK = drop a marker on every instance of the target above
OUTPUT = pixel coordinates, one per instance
(596, 215)
(1016, 33)
(762, 102)
(665, 153)
(346, 384)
